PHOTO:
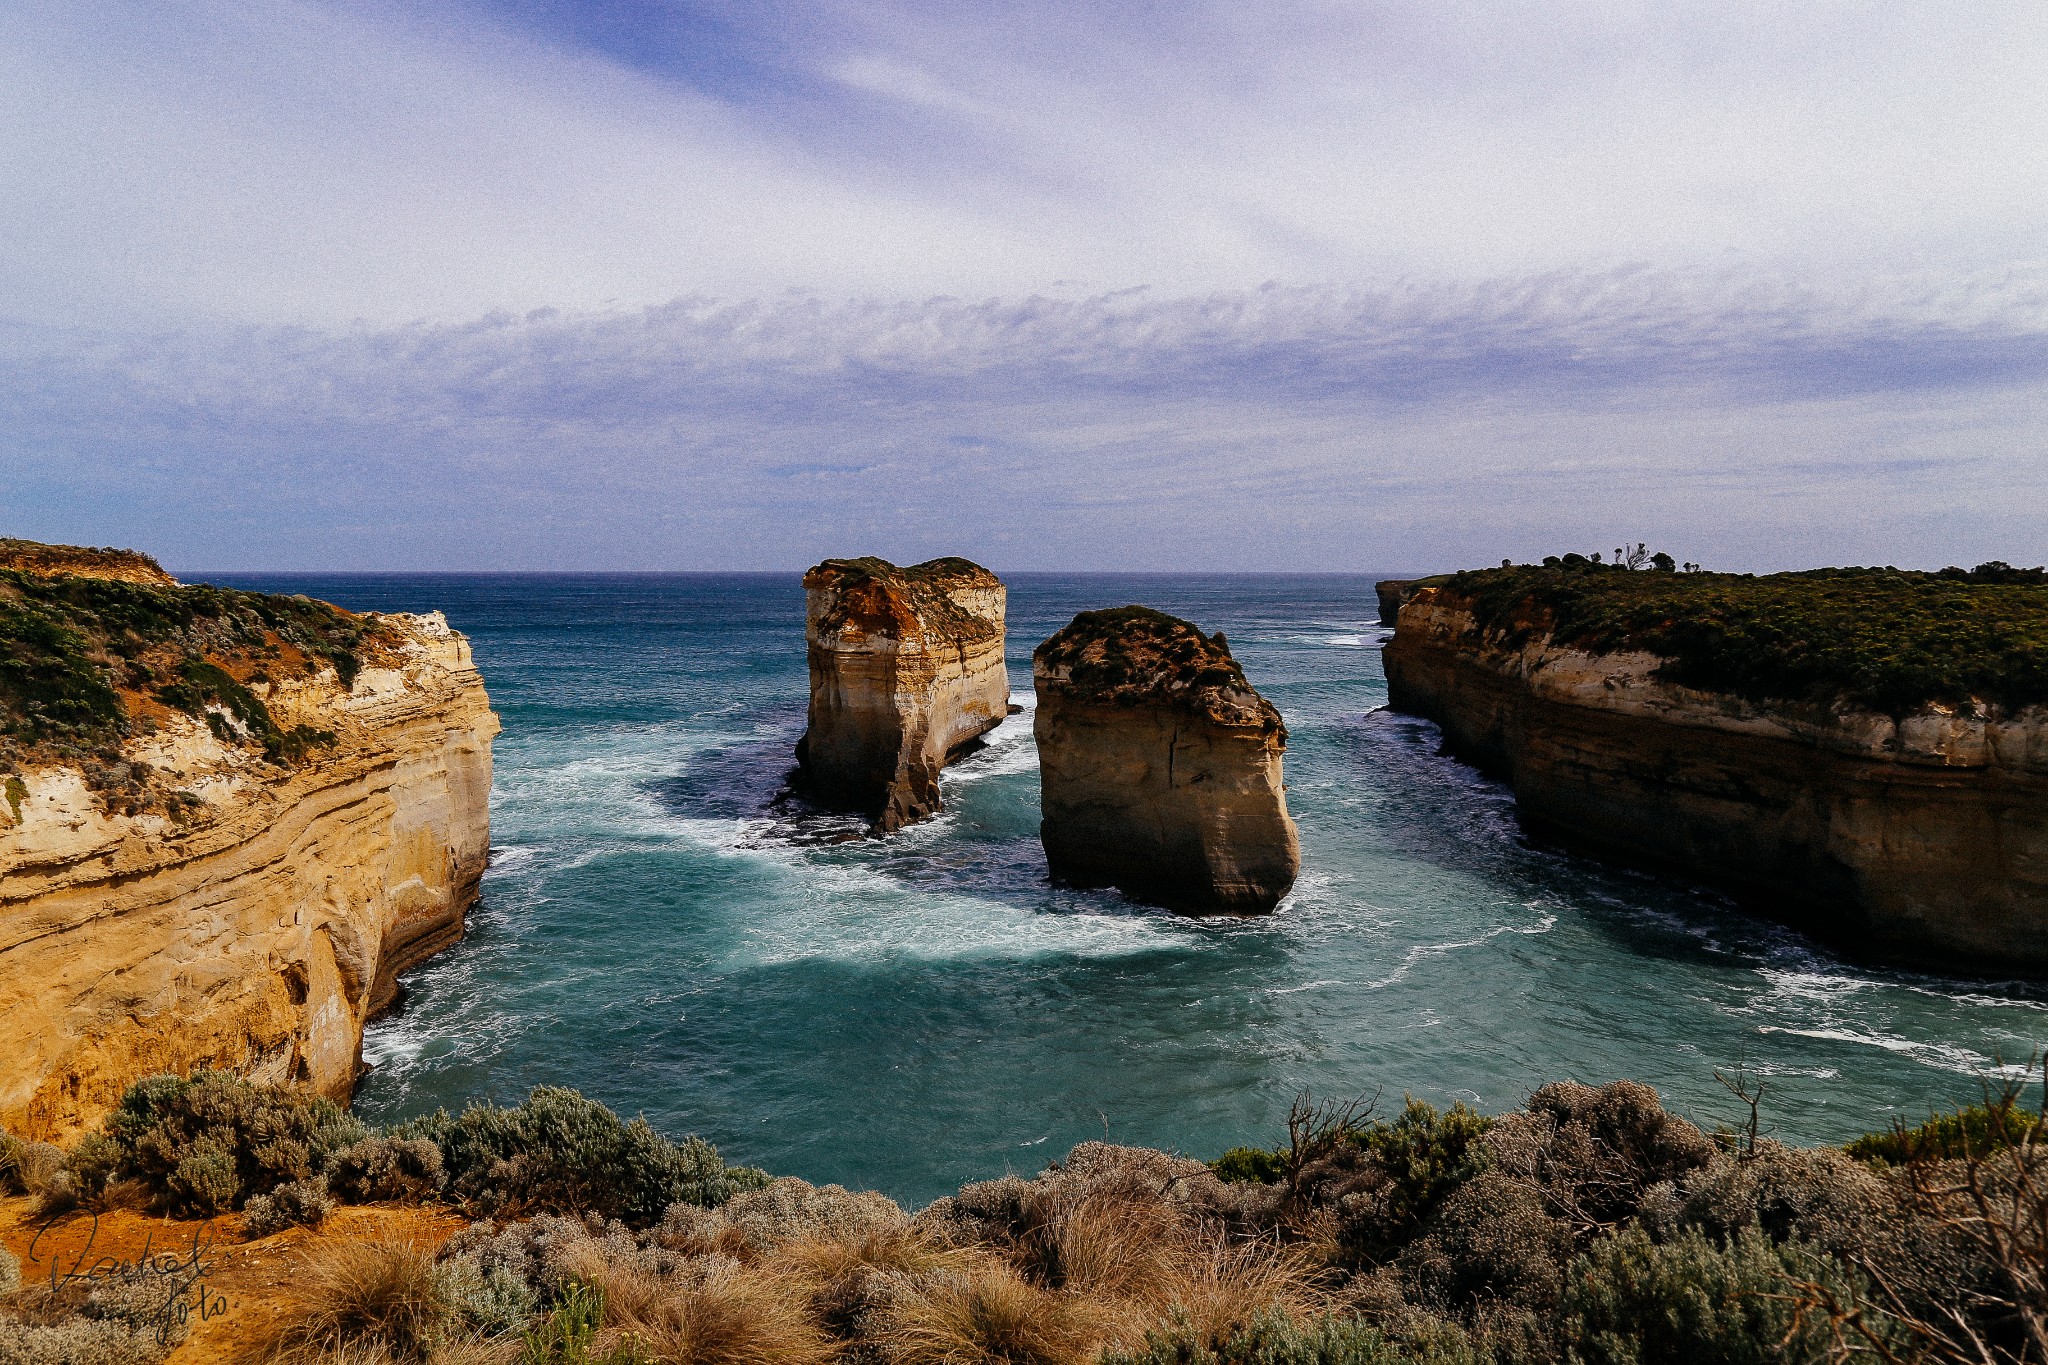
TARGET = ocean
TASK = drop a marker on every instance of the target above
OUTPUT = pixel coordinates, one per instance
(911, 1013)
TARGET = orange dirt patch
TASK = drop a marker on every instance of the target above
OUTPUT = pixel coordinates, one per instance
(246, 1283)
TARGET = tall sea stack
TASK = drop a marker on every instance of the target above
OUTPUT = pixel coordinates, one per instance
(1160, 767)
(906, 672)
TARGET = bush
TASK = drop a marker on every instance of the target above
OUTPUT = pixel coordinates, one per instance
(1633, 1301)
(492, 1301)
(387, 1168)
(1250, 1166)
(76, 1341)
(302, 1203)
(32, 1168)
(205, 1145)
(1973, 1130)
(10, 1271)
(1884, 639)
(1275, 1339)
(560, 1151)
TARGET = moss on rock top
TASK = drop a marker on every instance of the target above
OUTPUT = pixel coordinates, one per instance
(1132, 656)
(1884, 639)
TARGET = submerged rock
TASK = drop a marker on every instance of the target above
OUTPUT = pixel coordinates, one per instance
(906, 673)
(1160, 767)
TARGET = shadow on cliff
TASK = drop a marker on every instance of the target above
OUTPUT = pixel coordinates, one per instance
(1443, 811)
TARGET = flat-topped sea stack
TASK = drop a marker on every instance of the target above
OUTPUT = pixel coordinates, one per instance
(1862, 752)
(906, 673)
(1160, 767)
(228, 820)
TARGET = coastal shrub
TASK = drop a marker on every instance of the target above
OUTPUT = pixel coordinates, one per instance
(384, 1296)
(561, 1151)
(296, 1204)
(1276, 1339)
(1634, 1301)
(386, 1168)
(491, 1302)
(1250, 1166)
(74, 650)
(1973, 1130)
(1816, 1195)
(31, 1168)
(1883, 638)
(204, 1145)
(1385, 1179)
(76, 1341)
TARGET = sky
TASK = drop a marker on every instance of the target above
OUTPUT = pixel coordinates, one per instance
(1293, 286)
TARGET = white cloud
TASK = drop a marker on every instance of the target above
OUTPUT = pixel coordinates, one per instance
(302, 161)
(1735, 418)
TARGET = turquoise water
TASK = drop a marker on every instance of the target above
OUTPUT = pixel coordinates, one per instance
(916, 1012)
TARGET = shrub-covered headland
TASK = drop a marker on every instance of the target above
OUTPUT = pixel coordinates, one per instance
(86, 662)
(1590, 1227)
(1887, 639)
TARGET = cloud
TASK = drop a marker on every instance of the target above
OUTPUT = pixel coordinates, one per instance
(322, 162)
(1731, 414)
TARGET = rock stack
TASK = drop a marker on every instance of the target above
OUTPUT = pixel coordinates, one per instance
(1160, 767)
(906, 673)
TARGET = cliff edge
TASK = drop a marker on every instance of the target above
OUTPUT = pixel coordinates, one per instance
(906, 671)
(230, 820)
(1160, 766)
(1861, 752)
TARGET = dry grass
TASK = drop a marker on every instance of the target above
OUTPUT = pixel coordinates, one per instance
(724, 1314)
(988, 1314)
(377, 1300)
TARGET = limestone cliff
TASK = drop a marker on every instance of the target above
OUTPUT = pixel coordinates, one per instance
(229, 861)
(1160, 767)
(1919, 834)
(906, 672)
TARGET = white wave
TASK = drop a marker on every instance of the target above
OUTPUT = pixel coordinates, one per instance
(1945, 1056)
(1422, 952)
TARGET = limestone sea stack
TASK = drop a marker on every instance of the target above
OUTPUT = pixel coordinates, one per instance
(229, 821)
(906, 673)
(1160, 767)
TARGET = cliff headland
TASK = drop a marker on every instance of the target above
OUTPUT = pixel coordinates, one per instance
(230, 820)
(1863, 752)
(1160, 766)
(906, 672)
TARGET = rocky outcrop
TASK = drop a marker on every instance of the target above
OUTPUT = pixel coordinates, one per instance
(906, 673)
(1393, 594)
(1160, 767)
(260, 914)
(1921, 838)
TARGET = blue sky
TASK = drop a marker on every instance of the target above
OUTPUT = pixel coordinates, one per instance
(1300, 285)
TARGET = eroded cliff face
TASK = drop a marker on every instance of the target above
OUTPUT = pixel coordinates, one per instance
(906, 672)
(261, 919)
(1922, 839)
(1160, 767)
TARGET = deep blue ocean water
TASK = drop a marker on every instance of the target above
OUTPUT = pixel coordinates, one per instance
(911, 1013)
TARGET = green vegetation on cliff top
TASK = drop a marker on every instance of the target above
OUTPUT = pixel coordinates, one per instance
(79, 655)
(1887, 639)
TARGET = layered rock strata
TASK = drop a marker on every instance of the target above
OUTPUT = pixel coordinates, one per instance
(1160, 766)
(906, 673)
(1921, 838)
(260, 916)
